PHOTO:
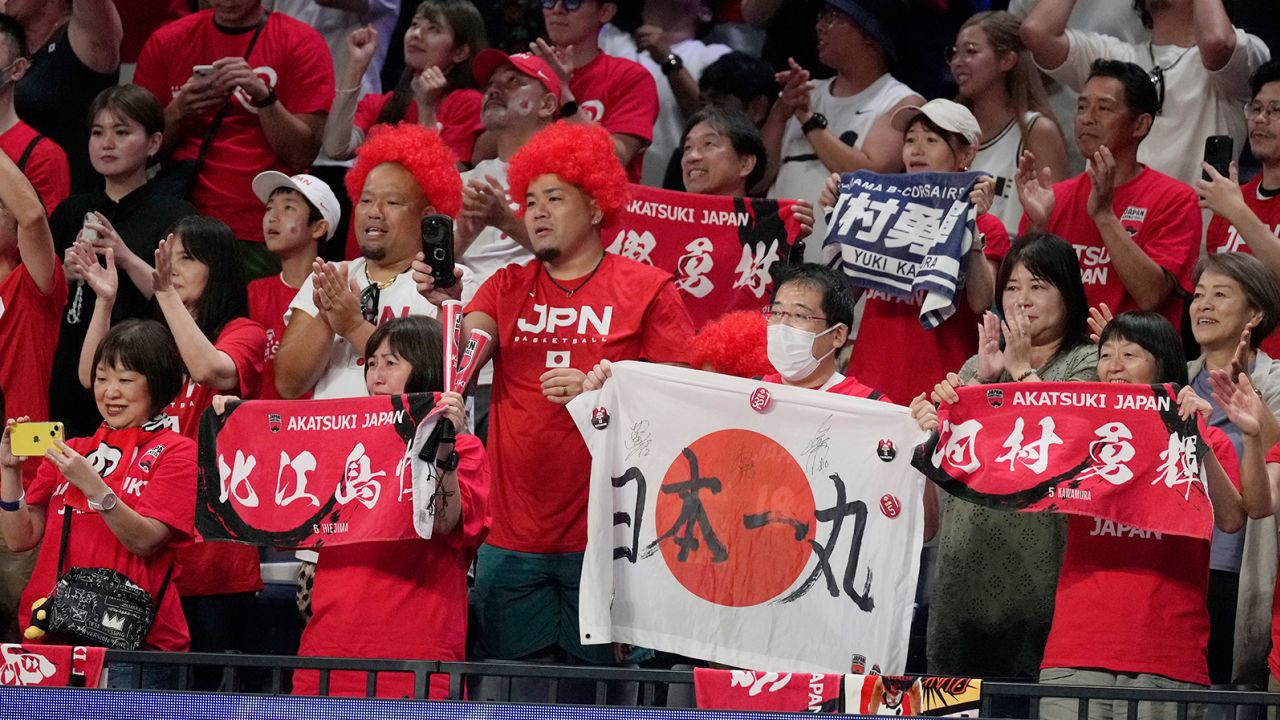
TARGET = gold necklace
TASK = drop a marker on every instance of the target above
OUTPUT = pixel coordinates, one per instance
(382, 285)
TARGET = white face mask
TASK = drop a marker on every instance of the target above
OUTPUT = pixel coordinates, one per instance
(791, 351)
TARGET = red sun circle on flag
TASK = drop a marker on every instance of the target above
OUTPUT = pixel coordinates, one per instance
(738, 532)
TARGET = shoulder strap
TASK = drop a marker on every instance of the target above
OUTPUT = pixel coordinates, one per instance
(226, 105)
(875, 395)
(67, 512)
(26, 154)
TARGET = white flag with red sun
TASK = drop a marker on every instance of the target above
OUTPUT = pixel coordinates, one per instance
(748, 523)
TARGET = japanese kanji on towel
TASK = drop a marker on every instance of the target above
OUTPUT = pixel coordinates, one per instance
(722, 251)
(307, 473)
(1114, 451)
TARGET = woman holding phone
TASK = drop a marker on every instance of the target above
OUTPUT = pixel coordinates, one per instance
(202, 297)
(128, 489)
(126, 215)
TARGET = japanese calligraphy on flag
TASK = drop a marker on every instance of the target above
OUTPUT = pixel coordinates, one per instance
(308, 473)
(1114, 451)
(904, 234)
(721, 250)
(760, 526)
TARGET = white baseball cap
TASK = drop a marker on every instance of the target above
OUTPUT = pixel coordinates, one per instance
(315, 190)
(946, 114)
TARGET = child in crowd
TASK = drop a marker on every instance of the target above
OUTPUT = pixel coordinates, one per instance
(302, 211)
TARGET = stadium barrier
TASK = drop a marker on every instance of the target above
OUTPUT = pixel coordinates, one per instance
(266, 674)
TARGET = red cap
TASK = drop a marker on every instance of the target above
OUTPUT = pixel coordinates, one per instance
(487, 62)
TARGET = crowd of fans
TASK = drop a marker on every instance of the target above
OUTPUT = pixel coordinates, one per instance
(227, 202)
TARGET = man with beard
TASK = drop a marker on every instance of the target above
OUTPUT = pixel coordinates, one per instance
(1199, 62)
(521, 97)
(401, 174)
(552, 320)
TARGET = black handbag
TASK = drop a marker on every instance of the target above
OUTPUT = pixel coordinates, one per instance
(98, 606)
(177, 178)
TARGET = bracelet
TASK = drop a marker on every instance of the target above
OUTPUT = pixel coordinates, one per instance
(14, 506)
(1025, 374)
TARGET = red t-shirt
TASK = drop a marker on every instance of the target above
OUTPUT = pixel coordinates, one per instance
(46, 167)
(412, 599)
(217, 568)
(458, 116)
(269, 298)
(897, 356)
(162, 489)
(291, 56)
(620, 95)
(1273, 659)
(29, 322)
(1222, 236)
(626, 311)
(1132, 601)
(1162, 216)
(848, 386)
(140, 18)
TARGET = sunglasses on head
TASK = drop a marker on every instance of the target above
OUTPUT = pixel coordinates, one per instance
(569, 5)
(1157, 78)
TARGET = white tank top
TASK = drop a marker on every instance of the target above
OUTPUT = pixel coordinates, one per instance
(999, 156)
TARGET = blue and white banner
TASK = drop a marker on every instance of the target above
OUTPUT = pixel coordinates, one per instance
(904, 234)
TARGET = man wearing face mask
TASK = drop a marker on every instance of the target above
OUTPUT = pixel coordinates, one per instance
(809, 318)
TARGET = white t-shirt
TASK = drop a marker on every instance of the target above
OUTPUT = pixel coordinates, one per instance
(345, 374)
(490, 252)
(802, 174)
(335, 25)
(999, 157)
(1197, 103)
(667, 129)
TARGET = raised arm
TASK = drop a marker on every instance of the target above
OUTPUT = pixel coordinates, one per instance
(95, 32)
(1215, 35)
(205, 363)
(341, 136)
(1044, 32)
(35, 242)
(24, 527)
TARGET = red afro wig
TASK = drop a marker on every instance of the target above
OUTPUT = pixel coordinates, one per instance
(735, 344)
(579, 154)
(422, 153)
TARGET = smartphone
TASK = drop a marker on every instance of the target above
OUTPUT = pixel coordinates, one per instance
(437, 248)
(33, 439)
(1218, 153)
(202, 70)
(88, 233)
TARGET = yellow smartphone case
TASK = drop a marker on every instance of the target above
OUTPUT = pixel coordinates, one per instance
(33, 439)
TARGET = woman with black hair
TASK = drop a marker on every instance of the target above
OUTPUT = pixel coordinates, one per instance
(997, 571)
(128, 489)
(203, 299)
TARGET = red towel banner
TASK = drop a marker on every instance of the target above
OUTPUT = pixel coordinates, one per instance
(308, 473)
(1114, 451)
(722, 251)
(51, 665)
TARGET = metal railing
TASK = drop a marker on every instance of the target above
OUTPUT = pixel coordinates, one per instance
(644, 687)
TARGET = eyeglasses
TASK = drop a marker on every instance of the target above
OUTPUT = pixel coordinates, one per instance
(569, 5)
(369, 303)
(1256, 110)
(1157, 78)
(969, 49)
(774, 315)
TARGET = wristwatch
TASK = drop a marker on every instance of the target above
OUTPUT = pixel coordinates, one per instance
(267, 101)
(672, 64)
(979, 242)
(14, 506)
(817, 121)
(107, 502)
(449, 462)
(569, 109)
